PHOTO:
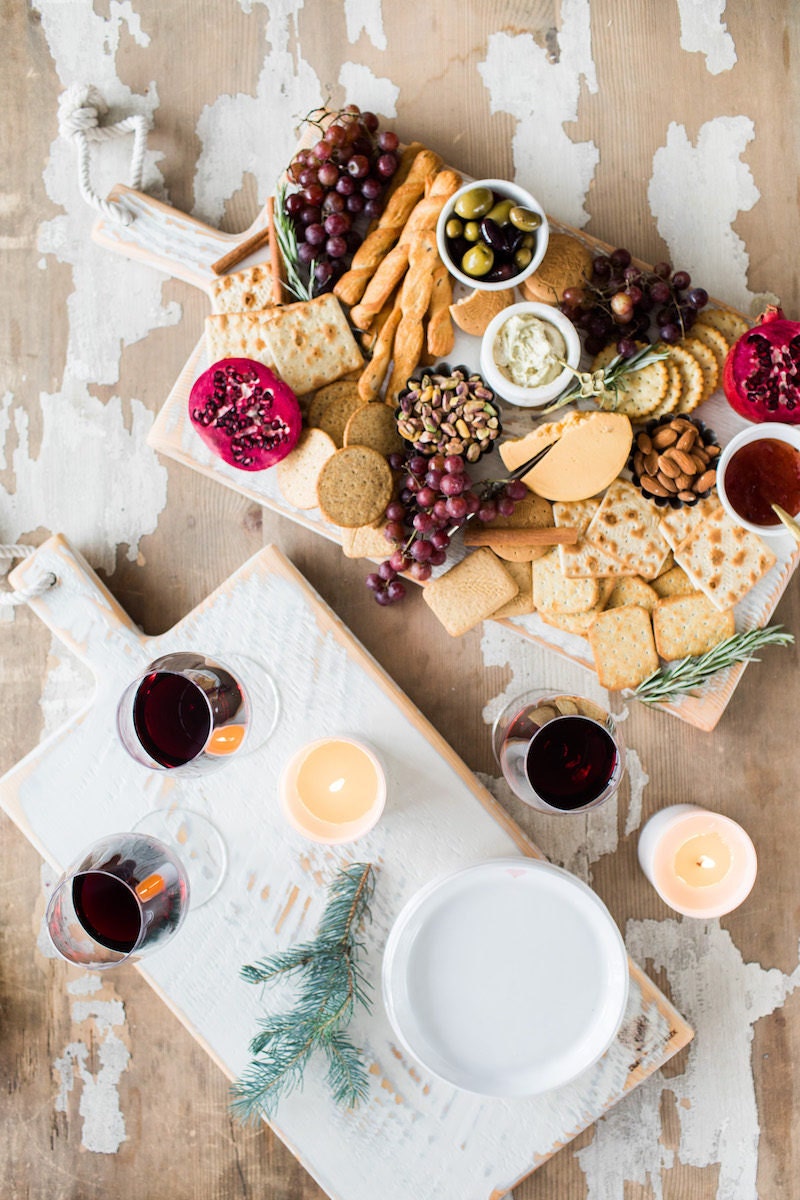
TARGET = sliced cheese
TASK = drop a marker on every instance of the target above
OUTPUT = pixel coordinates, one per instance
(590, 451)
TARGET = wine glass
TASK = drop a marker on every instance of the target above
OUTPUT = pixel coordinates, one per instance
(190, 713)
(558, 752)
(122, 898)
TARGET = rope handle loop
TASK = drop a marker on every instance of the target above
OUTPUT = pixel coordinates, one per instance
(79, 111)
(23, 595)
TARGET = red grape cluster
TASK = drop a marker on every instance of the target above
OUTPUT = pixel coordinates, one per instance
(436, 498)
(340, 177)
(622, 302)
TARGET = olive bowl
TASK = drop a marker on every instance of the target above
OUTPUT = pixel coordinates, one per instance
(503, 190)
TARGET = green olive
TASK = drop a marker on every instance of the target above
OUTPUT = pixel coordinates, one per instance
(529, 241)
(524, 218)
(500, 211)
(478, 260)
(454, 228)
(474, 203)
(522, 257)
(472, 231)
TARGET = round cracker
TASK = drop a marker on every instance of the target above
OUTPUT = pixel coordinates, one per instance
(708, 364)
(729, 323)
(691, 373)
(674, 391)
(325, 395)
(336, 415)
(354, 487)
(567, 263)
(717, 343)
(374, 425)
(474, 313)
(297, 474)
(640, 392)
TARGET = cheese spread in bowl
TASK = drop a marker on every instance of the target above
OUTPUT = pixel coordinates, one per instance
(524, 350)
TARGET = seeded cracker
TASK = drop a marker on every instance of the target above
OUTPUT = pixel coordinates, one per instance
(623, 647)
(690, 625)
(373, 425)
(354, 487)
(469, 592)
(325, 395)
(298, 473)
(337, 413)
(723, 560)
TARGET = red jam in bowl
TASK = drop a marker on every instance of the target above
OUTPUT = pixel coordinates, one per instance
(760, 474)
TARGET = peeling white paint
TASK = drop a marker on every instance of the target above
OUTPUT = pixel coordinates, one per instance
(637, 781)
(557, 169)
(366, 90)
(704, 31)
(103, 1125)
(232, 128)
(365, 15)
(714, 184)
(91, 478)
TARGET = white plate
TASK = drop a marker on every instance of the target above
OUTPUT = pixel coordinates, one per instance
(508, 978)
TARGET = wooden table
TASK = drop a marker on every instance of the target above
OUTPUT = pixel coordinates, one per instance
(656, 127)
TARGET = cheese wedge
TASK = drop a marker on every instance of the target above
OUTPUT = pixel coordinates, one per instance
(590, 451)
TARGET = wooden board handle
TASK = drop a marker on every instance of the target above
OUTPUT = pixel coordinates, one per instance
(169, 240)
(80, 610)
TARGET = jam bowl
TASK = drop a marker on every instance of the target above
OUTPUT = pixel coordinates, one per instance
(760, 466)
(492, 234)
(523, 350)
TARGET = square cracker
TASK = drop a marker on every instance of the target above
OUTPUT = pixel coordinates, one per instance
(580, 623)
(470, 591)
(625, 526)
(311, 343)
(631, 589)
(522, 603)
(583, 559)
(555, 593)
(723, 560)
(674, 582)
(623, 646)
(240, 335)
(242, 291)
(684, 625)
(677, 523)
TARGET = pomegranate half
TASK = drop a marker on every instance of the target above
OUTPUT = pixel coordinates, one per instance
(761, 376)
(248, 416)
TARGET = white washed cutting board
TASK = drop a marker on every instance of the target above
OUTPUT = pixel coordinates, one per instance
(414, 1136)
(173, 242)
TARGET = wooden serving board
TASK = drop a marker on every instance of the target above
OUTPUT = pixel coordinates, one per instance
(186, 248)
(413, 1136)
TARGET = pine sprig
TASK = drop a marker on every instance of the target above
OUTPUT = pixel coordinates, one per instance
(332, 985)
(690, 673)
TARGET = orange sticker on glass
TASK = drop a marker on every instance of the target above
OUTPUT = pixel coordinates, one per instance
(225, 740)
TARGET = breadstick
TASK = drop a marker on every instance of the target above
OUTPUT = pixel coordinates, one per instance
(414, 300)
(373, 375)
(426, 212)
(441, 335)
(350, 287)
(380, 287)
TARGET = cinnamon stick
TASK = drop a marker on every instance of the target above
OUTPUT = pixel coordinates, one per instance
(240, 252)
(550, 536)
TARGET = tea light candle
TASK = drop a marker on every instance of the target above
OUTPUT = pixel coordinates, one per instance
(333, 790)
(702, 864)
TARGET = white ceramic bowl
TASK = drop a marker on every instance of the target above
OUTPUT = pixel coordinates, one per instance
(498, 381)
(506, 978)
(514, 192)
(754, 433)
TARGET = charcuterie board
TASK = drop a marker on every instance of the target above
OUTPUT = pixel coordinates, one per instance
(195, 245)
(414, 1135)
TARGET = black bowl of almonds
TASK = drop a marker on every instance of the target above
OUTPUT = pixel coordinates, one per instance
(674, 460)
(448, 410)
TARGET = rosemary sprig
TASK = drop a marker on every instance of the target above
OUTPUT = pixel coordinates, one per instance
(604, 384)
(287, 243)
(333, 984)
(690, 673)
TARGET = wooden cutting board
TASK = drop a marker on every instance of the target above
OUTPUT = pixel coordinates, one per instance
(414, 1136)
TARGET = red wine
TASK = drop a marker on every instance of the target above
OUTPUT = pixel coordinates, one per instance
(171, 717)
(571, 762)
(108, 910)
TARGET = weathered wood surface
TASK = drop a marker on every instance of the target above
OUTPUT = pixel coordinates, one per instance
(667, 128)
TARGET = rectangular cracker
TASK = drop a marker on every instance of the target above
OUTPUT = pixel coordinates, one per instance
(365, 541)
(240, 335)
(684, 625)
(470, 591)
(553, 592)
(625, 526)
(623, 646)
(242, 291)
(311, 343)
(723, 560)
(522, 603)
(677, 523)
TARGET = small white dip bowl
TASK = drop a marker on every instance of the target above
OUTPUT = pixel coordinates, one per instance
(790, 434)
(507, 190)
(498, 381)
